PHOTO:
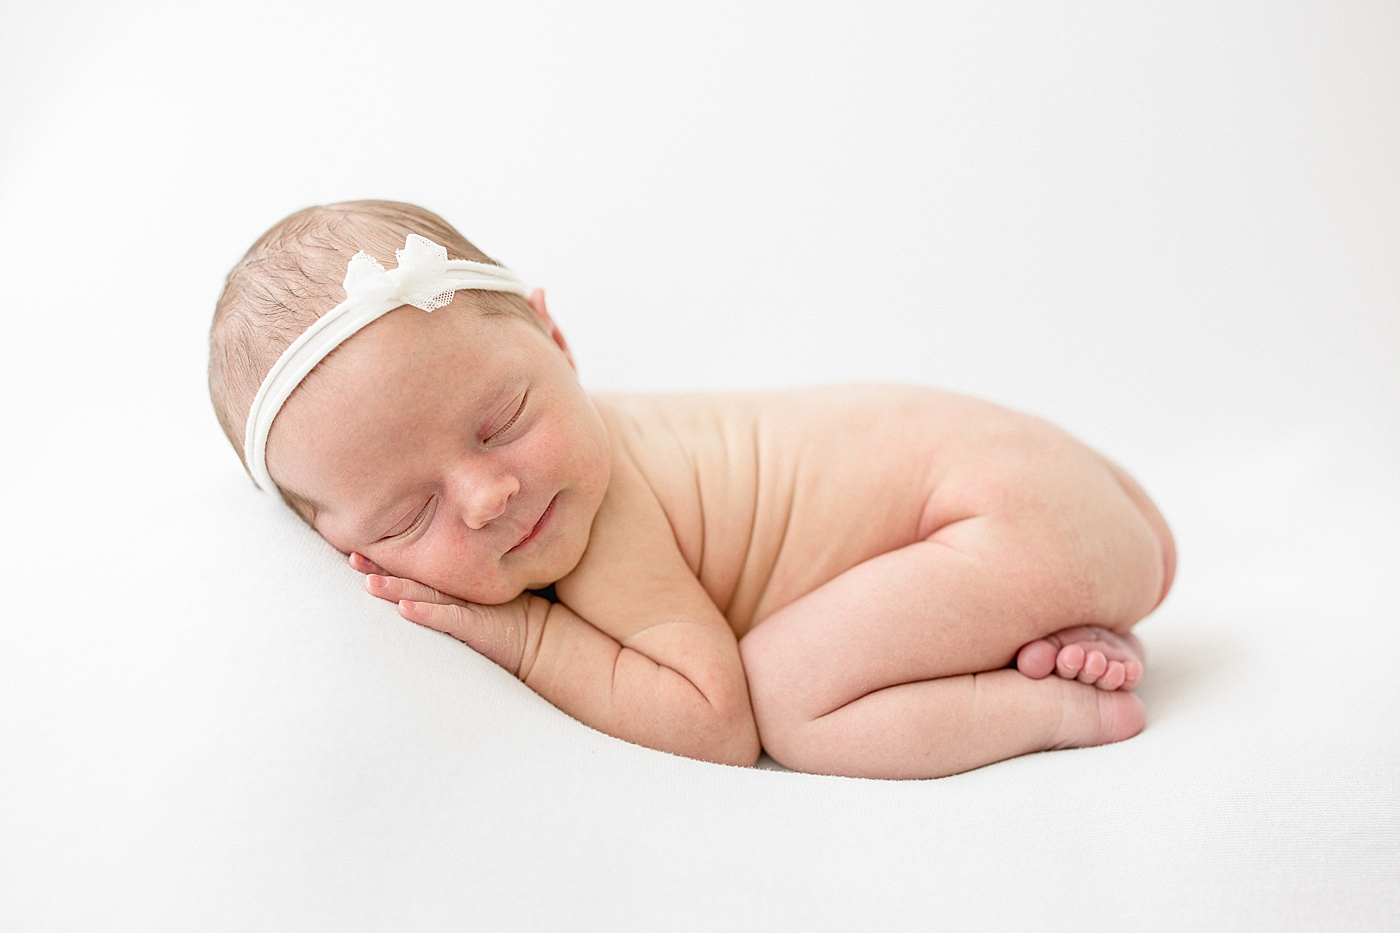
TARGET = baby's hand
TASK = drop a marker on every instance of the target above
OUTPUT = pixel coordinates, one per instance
(501, 633)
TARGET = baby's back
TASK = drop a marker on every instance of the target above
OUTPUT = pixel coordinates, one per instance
(772, 494)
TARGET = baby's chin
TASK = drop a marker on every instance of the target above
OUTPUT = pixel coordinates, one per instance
(503, 591)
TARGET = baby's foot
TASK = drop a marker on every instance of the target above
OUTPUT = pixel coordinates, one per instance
(1097, 717)
(1086, 653)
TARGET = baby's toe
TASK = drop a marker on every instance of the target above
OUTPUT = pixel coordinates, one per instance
(1095, 663)
(1113, 676)
(1069, 662)
(1036, 660)
(1132, 674)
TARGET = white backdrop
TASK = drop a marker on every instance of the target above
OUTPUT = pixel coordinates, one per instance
(1172, 228)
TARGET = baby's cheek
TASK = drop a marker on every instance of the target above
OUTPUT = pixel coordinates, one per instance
(474, 583)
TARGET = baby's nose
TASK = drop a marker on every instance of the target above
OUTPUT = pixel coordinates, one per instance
(488, 500)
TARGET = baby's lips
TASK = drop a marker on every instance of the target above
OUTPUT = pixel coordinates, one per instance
(548, 509)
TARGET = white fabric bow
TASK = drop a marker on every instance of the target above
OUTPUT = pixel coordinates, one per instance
(416, 281)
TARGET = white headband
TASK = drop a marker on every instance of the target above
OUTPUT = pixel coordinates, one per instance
(424, 278)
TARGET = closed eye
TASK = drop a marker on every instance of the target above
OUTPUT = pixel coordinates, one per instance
(513, 418)
(412, 526)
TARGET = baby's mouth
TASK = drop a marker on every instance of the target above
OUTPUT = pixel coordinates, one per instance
(533, 532)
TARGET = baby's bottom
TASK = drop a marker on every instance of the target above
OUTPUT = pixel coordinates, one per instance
(898, 668)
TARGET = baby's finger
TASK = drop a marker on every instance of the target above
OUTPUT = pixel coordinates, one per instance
(397, 588)
(483, 628)
(363, 564)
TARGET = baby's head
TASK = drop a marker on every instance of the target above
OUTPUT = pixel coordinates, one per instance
(455, 447)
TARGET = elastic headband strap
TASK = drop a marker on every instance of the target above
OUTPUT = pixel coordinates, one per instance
(424, 278)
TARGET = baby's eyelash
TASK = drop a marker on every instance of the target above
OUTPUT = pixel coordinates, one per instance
(513, 418)
(417, 519)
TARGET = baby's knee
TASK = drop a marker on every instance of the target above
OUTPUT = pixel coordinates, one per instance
(792, 739)
(784, 707)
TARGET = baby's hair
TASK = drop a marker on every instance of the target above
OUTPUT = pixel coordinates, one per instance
(292, 275)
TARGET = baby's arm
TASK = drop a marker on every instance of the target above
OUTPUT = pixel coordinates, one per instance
(636, 648)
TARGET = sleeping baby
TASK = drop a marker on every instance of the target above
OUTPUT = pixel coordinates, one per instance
(874, 581)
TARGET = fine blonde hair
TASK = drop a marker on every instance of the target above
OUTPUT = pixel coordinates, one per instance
(292, 275)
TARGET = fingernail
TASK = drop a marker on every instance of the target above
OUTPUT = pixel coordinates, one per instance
(406, 605)
(376, 580)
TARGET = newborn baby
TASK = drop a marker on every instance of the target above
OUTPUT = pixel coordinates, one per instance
(874, 581)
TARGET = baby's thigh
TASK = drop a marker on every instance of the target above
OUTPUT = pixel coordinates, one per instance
(921, 612)
(1016, 557)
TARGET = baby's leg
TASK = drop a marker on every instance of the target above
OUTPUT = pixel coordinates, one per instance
(931, 728)
(894, 668)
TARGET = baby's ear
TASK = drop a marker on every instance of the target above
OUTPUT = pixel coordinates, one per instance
(536, 301)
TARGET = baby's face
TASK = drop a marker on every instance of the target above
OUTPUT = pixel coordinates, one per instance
(453, 448)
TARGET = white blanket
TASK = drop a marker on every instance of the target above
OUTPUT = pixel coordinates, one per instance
(1173, 231)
